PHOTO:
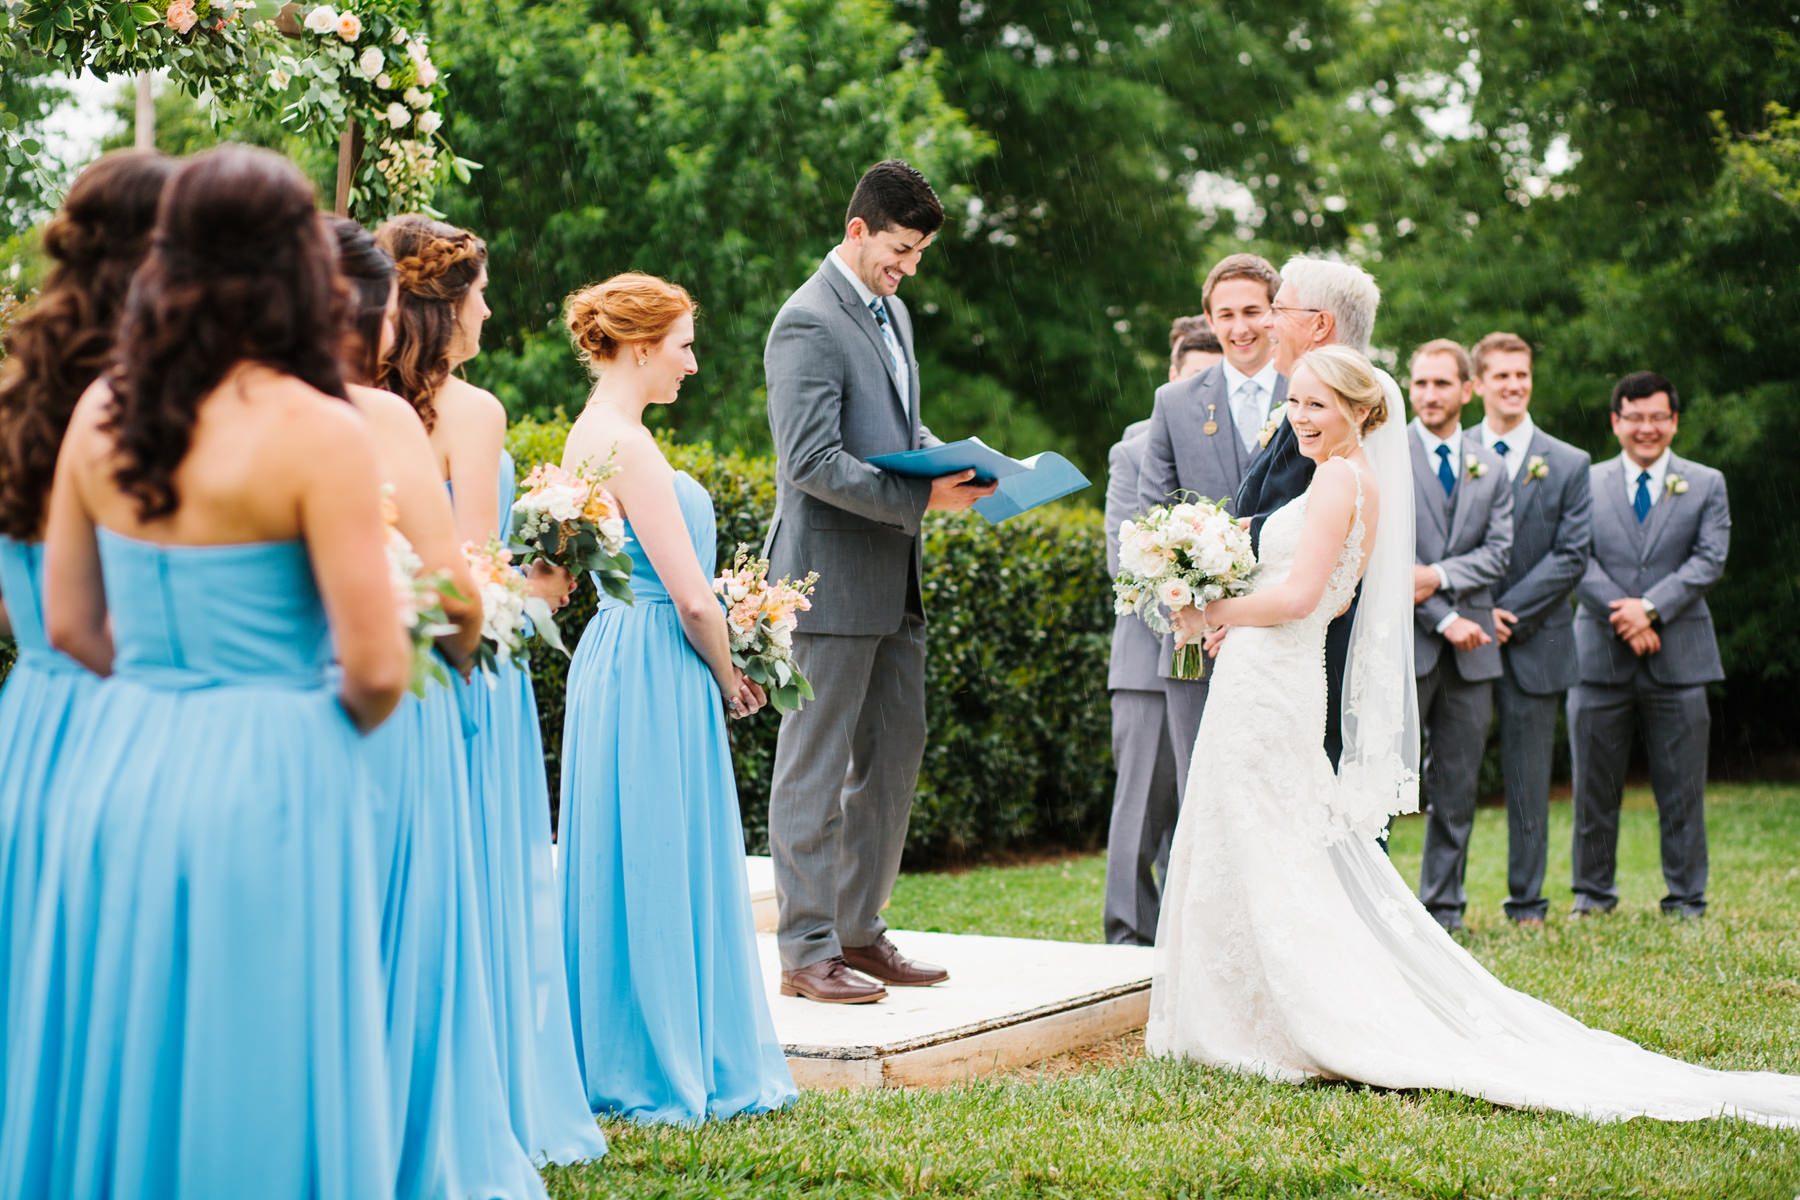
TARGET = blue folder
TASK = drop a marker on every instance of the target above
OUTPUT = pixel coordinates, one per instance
(1025, 484)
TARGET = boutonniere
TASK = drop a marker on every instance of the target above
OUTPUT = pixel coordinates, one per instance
(1476, 467)
(1674, 485)
(1536, 468)
(1272, 424)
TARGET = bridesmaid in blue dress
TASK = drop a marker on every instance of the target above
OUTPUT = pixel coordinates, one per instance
(204, 969)
(671, 1017)
(53, 352)
(442, 276)
(453, 1131)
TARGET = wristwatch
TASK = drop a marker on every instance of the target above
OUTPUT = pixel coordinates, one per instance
(1649, 610)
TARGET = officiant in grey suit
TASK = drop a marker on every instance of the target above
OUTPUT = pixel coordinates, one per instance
(1204, 430)
(1533, 620)
(1662, 527)
(843, 381)
(1463, 503)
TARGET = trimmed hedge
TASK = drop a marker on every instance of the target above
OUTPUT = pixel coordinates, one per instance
(1019, 751)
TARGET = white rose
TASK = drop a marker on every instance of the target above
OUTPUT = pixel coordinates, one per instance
(428, 74)
(1174, 594)
(371, 62)
(429, 122)
(322, 19)
(736, 592)
(416, 98)
(400, 36)
(782, 636)
(1184, 512)
(279, 79)
(398, 115)
(613, 530)
(384, 81)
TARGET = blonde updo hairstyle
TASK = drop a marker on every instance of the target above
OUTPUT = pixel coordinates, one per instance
(605, 318)
(1352, 379)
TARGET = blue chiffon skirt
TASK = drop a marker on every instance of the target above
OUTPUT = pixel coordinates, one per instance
(204, 982)
(670, 1013)
(453, 1131)
(515, 887)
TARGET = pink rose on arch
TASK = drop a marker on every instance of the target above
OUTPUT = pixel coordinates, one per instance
(181, 16)
(349, 26)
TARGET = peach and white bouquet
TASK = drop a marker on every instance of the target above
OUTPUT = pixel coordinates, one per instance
(509, 612)
(418, 598)
(762, 617)
(1176, 555)
(569, 518)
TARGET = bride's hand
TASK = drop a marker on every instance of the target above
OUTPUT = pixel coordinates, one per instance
(1190, 624)
(1214, 639)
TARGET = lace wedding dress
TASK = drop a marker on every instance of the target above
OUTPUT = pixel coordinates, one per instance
(1290, 947)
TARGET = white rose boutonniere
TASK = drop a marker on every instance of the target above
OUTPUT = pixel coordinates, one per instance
(1674, 484)
(1475, 466)
(1272, 424)
(1536, 468)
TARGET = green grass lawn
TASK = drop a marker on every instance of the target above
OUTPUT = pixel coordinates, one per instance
(1724, 992)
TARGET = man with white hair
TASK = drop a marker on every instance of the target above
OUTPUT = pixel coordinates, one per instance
(1319, 303)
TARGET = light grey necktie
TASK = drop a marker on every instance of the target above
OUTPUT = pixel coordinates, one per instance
(893, 345)
(1248, 413)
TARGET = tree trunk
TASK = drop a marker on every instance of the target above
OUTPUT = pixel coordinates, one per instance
(350, 147)
(145, 134)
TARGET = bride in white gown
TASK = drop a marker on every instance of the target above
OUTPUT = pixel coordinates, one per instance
(1289, 946)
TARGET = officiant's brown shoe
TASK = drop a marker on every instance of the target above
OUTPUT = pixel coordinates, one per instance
(885, 962)
(830, 981)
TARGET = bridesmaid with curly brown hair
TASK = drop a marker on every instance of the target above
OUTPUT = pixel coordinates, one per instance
(442, 274)
(203, 991)
(55, 349)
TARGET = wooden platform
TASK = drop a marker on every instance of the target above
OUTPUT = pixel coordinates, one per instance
(1008, 1001)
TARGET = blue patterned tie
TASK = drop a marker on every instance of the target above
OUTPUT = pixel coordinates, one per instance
(887, 333)
(1446, 475)
(1640, 503)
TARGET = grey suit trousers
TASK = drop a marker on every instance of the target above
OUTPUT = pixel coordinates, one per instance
(1675, 722)
(1185, 700)
(1527, 741)
(1453, 715)
(842, 789)
(1145, 805)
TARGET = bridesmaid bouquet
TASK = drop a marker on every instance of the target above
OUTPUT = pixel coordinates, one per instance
(419, 599)
(509, 612)
(568, 518)
(1176, 555)
(762, 617)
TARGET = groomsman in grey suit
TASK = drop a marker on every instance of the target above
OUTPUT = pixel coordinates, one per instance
(1662, 526)
(1533, 619)
(1204, 432)
(1144, 799)
(843, 383)
(1463, 502)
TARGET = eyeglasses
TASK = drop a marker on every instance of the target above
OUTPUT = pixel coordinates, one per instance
(1294, 308)
(1635, 419)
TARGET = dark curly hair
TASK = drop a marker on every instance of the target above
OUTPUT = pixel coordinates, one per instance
(240, 270)
(369, 270)
(63, 340)
(437, 265)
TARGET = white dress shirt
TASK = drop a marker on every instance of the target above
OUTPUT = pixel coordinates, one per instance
(1518, 441)
(1431, 442)
(1265, 399)
(867, 297)
(1659, 473)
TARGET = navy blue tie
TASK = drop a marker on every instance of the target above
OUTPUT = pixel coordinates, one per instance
(1446, 475)
(1640, 503)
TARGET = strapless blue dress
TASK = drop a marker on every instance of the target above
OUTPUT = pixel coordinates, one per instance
(204, 975)
(453, 1130)
(515, 887)
(39, 707)
(671, 1018)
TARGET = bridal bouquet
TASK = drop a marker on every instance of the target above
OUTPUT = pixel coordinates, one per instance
(1176, 555)
(509, 612)
(419, 599)
(570, 519)
(762, 617)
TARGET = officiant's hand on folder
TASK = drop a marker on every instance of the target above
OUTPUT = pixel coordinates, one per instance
(954, 493)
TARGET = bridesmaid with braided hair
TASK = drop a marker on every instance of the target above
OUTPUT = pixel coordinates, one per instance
(442, 274)
(53, 352)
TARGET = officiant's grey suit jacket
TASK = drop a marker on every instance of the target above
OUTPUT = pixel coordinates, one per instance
(833, 403)
(1551, 536)
(1469, 534)
(1132, 666)
(1672, 559)
(1180, 456)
